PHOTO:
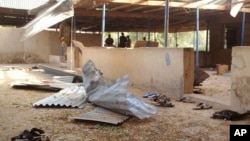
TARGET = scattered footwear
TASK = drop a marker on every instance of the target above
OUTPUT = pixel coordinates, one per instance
(161, 98)
(201, 106)
(162, 101)
(186, 100)
(33, 135)
(164, 104)
(150, 95)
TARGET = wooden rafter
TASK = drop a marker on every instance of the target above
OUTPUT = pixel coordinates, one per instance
(154, 10)
(119, 7)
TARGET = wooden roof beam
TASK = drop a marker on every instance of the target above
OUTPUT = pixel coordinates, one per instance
(154, 10)
(119, 7)
(117, 14)
(204, 4)
(134, 9)
(78, 3)
(95, 5)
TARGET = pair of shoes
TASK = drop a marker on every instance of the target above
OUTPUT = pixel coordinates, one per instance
(150, 95)
(201, 106)
(160, 98)
(186, 100)
(164, 104)
(162, 101)
(33, 135)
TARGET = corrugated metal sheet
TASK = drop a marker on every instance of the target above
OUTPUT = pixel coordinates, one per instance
(102, 115)
(22, 4)
(74, 96)
(48, 15)
(59, 71)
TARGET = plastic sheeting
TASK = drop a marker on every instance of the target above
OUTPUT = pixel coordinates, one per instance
(113, 95)
(48, 15)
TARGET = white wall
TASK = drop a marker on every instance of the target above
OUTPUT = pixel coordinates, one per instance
(156, 68)
(37, 48)
(240, 68)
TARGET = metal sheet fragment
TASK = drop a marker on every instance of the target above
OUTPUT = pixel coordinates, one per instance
(73, 96)
(100, 114)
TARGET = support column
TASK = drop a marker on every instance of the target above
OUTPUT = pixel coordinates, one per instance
(103, 22)
(166, 25)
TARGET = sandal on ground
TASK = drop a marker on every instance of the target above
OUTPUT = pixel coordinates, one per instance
(201, 106)
(150, 95)
(164, 104)
(186, 100)
(33, 135)
(161, 98)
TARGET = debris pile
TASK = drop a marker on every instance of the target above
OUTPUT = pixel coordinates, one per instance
(113, 95)
(94, 89)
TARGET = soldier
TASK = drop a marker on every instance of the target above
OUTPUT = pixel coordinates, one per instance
(109, 41)
(65, 38)
(123, 40)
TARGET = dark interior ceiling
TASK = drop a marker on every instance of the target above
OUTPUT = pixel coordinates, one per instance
(134, 15)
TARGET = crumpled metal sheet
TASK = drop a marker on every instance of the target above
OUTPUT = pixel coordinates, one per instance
(92, 77)
(48, 15)
(113, 96)
(73, 96)
(102, 115)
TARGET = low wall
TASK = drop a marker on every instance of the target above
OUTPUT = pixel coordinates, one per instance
(36, 49)
(33, 50)
(165, 69)
(240, 68)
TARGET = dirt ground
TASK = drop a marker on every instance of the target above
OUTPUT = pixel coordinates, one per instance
(180, 123)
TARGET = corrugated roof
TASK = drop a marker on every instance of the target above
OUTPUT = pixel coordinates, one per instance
(74, 96)
(22, 4)
(48, 15)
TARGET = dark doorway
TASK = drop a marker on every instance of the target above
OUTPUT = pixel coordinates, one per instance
(231, 37)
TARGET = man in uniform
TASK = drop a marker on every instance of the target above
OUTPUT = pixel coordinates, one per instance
(65, 38)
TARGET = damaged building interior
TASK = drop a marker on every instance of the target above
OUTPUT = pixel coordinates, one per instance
(190, 72)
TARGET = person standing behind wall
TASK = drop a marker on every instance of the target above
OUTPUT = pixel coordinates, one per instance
(128, 43)
(65, 38)
(123, 41)
(109, 41)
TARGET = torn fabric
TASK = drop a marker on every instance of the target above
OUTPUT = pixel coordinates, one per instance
(49, 14)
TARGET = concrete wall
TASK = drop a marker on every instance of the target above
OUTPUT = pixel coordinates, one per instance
(240, 68)
(11, 49)
(156, 68)
(37, 48)
(34, 50)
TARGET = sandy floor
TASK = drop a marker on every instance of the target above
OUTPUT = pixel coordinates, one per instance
(180, 123)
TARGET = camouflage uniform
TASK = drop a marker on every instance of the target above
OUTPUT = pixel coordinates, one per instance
(65, 38)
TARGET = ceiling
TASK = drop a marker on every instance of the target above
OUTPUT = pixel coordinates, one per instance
(135, 15)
